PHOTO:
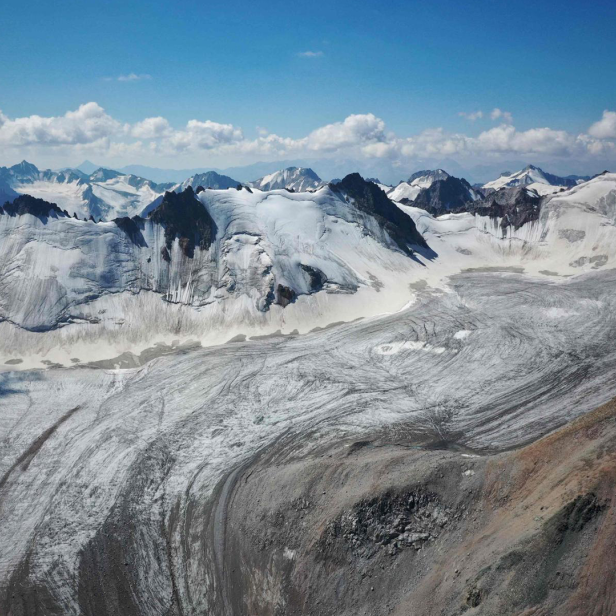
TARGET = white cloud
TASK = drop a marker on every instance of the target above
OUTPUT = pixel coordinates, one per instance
(472, 116)
(605, 128)
(151, 128)
(89, 131)
(199, 135)
(499, 114)
(358, 129)
(505, 138)
(310, 54)
(87, 124)
(134, 77)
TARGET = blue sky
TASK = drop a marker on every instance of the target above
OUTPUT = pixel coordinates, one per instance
(415, 65)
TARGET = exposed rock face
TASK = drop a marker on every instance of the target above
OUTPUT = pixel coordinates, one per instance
(25, 204)
(392, 522)
(446, 195)
(285, 295)
(369, 198)
(316, 277)
(132, 227)
(184, 217)
(515, 206)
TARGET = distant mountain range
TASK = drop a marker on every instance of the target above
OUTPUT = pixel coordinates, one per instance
(104, 193)
(108, 194)
(328, 169)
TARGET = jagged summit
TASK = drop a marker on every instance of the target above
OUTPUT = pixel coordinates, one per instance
(24, 169)
(25, 204)
(369, 198)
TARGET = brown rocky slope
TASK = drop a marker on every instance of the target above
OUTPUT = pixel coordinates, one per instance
(377, 527)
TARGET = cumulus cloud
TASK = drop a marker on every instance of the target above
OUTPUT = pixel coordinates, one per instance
(199, 135)
(310, 54)
(90, 131)
(358, 129)
(472, 116)
(87, 124)
(605, 128)
(503, 116)
(151, 128)
(505, 138)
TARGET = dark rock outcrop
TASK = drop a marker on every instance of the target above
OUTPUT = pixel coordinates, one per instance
(369, 198)
(285, 295)
(25, 204)
(132, 227)
(185, 218)
(316, 277)
(516, 206)
(446, 195)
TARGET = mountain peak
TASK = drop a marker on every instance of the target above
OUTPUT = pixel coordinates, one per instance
(428, 175)
(102, 175)
(87, 167)
(24, 168)
(293, 178)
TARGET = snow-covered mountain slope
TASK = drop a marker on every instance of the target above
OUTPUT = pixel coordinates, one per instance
(253, 262)
(537, 179)
(299, 179)
(274, 259)
(570, 233)
(103, 194)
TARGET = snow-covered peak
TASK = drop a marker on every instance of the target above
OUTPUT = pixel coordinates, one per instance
(409, 190)
(299, 179)
(24, 169)
(542, 182)
(425, 178)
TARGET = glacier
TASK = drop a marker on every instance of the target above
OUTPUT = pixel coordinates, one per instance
(149, 384)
